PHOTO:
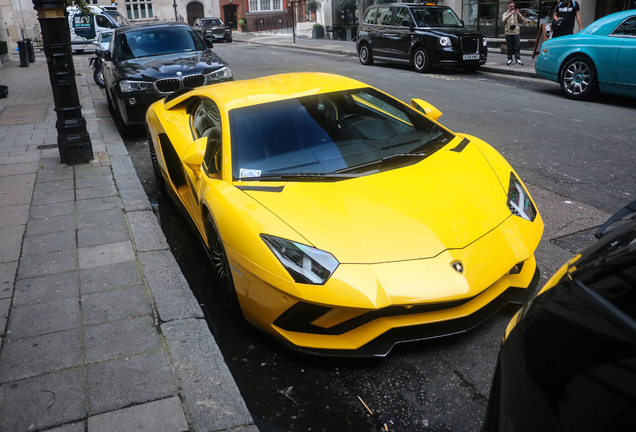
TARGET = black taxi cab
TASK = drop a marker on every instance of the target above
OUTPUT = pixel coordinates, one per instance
(426, 35)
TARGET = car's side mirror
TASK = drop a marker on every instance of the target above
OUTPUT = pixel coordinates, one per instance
(194, 155)
(99, 53)
(107, 56)
(209, 43)
(426, 108)
(406, 23)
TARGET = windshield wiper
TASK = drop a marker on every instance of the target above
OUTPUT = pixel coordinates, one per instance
(302, 176)
(378, 161)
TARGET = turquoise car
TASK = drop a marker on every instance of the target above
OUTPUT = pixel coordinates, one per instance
(602, 58)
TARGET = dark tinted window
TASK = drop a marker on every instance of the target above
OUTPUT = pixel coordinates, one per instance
(211, 22)
(627, 28)
(431, 16)
(401, 14)
(369, 16)
(206, 123)
(156, 41)
(385, 16)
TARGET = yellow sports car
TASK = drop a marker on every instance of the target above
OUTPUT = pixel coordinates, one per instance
(341, 220)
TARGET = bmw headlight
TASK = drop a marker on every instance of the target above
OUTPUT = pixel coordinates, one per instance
(519, 201)
(305, 264)
(131, 86)
(223, 73)
(444, 41)
(485, 41)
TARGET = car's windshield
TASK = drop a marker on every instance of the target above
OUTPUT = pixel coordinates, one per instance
(211, 22)
(435, 17)
(151, 41)
(117, 18)
(105, 36)
(357, 131)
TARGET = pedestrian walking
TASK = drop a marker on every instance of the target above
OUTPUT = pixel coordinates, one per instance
(512, 19)
(565, 14)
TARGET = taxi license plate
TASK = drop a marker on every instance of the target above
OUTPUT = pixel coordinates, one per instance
(471, 56)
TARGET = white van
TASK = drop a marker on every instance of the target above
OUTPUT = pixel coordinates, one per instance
(85, 28)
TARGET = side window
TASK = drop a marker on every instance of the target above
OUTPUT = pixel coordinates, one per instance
(385, 16)
(369, 17)
(627, 27)
(401, 14)
(101, 21)
(206, 123)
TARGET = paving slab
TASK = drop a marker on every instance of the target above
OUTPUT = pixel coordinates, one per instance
(7, 278)
(47, 353)
(97, 236)
(43, 401)
(110, 276)
(112, 253)
(159, 416)
(11, 243)
(47, 264)
(52, 242)
(45, 289)
(114, 305)
(44, 318)
(124, 381)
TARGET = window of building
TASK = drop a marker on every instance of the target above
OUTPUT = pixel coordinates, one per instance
(485, 16)
(139, 9)
(265, 5)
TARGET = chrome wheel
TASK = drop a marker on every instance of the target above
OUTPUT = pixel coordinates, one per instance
(365, 56)
(421, 61)
(578, 78)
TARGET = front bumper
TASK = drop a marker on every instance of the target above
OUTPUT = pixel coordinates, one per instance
(364, 310)
(453, 57)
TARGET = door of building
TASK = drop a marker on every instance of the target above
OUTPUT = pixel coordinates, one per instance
(229, 16)
(194, 11)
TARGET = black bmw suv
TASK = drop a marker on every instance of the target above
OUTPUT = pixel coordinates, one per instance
(147, 62)
(427, 35)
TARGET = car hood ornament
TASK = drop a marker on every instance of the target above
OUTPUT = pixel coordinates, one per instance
(458, 266)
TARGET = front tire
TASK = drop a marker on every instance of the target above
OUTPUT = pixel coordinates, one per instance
(421, 61)
(365, 55)
(98, 76)
(221, 267)
(578, 79)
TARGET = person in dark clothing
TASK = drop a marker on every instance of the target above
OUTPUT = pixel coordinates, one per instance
(512, 19)
(566, 12)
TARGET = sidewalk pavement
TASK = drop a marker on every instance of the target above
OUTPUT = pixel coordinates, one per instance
(99, 330)
(496, 61)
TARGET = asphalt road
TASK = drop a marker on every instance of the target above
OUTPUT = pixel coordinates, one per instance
(577, 159)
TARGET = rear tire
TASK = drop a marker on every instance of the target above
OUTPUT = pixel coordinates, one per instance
(578, 79)
(365, 55)
(98, 76)
(421, 61)
(221, 267)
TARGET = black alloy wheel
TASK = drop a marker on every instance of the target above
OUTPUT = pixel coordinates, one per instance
(221, 267)
(421, 61)
(365, 55)
(578, 79)
(155, 162)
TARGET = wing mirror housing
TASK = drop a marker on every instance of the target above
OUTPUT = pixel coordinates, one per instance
(194, 155)
(209, 42)
(106, 55)
(426, 108)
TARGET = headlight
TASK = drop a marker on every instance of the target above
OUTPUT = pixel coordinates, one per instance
(228, 31)
(519, 201)
(131, 86)
(444, 41)
(485, 42)
(224, 72)
(304, 263)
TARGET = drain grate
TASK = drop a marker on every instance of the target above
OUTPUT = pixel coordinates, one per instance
(47, 146)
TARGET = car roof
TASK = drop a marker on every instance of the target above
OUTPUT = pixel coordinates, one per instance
(134, 27)
(210, 18)
(243, 93)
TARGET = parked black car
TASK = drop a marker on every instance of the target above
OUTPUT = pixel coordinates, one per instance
(568, 362)
(212, 28)
(146, 62)
(424, 34)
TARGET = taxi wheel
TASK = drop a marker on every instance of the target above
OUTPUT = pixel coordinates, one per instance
(578, 79)
(421, 61)
(365, 55)
(221, 267)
